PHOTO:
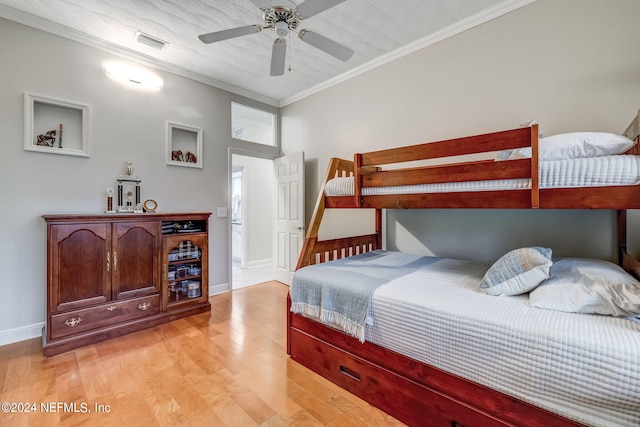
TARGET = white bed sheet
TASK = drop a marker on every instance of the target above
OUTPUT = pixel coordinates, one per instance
(583, 367)
(583, 172)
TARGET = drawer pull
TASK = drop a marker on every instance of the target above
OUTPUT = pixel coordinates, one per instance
(348, 372)
(111, 308)
(144, 306)
(73, 322)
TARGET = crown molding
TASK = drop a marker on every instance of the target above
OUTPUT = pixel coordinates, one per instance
(450, 31)
(445, 33)
(36, 22)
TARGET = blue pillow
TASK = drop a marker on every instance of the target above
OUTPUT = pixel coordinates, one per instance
(518, 271)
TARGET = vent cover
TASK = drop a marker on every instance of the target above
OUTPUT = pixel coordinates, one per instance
(150, 41)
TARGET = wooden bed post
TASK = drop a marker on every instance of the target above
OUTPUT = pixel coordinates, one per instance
(535, 181)
(621, 220)
(379, 228)
(357, 179)
(626, 261)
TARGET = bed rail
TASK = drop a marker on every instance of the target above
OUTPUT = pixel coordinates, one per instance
(368, 171)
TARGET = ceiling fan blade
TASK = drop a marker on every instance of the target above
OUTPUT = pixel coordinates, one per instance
(261, 4)
(229, 34)
(308, 8)
(278, 55)
(325, 44)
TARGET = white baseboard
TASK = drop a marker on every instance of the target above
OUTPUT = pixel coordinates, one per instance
(219, 289)
(20, 334)
(259, 262)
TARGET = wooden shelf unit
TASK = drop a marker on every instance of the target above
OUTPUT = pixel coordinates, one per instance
(107, 275)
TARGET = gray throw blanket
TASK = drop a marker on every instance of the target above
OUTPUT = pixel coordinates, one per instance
(339, 292)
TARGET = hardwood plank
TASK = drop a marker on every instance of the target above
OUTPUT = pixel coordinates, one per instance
(224, 368)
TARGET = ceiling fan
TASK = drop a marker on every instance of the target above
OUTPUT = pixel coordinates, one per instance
(284, 16)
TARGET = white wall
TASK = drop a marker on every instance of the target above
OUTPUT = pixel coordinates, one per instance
(572, 65)
(125, 125)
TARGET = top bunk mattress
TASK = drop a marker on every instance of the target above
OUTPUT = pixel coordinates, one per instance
(600, 171)
(581, 366)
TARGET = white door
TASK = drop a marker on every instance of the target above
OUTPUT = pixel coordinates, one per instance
(289, 215)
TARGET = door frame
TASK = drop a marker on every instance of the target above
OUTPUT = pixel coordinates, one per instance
(243, 214)
(246, 153)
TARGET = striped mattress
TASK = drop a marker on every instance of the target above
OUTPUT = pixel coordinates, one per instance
(583, 172)
(583, 367)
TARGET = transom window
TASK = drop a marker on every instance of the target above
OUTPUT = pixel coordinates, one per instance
(252, 124)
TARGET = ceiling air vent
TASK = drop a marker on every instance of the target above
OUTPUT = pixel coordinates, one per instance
(148, 40)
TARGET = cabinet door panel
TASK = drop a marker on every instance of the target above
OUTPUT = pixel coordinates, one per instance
(185, 270)
(136, 252)
(80, 265)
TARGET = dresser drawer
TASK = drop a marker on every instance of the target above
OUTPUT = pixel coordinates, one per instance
(86, 319)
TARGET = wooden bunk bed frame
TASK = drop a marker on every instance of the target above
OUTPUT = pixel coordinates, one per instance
(411, 391)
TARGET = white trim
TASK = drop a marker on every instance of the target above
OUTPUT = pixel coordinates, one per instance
(450, 31)
(260, 262)
(86, 39)
(219, 289)
(22, 333)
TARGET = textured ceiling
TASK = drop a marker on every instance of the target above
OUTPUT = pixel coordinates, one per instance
(376, 30)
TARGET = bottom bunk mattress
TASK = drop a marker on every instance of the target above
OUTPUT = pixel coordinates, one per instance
(581, 366)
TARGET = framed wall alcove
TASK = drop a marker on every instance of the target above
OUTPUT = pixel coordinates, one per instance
(184, 145)
(56, 126)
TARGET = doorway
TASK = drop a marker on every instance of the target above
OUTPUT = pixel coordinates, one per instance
(251, 213)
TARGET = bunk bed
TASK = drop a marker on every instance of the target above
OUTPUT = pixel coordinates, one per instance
(501, 170)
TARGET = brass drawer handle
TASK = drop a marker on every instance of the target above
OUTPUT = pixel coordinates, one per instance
(73, 322)
(111, 308)
(144, 306)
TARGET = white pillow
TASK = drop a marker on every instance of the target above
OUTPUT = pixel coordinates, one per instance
(574, 146)
(518, 271)
(581, 285)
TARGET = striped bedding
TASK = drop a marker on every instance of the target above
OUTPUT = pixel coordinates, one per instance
(582, 172)
(583, 367)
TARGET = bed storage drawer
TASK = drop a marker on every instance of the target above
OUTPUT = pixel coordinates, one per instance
(410, 402)
(76, 321)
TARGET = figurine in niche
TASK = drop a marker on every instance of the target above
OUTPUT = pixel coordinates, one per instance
(47, 139)
(176, 156)
(190, 157)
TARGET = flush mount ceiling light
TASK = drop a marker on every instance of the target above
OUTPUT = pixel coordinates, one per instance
(150, 41)
(284, 16)
(132, 75)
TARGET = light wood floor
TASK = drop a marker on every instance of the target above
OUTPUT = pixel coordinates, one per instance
(224, 368)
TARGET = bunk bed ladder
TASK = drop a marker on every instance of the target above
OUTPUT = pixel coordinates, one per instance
(314, 250)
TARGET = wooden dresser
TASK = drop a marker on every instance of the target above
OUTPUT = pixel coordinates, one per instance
(109, 275)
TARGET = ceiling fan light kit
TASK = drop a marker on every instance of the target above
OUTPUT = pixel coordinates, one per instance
(282, 28)
(283, 18)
